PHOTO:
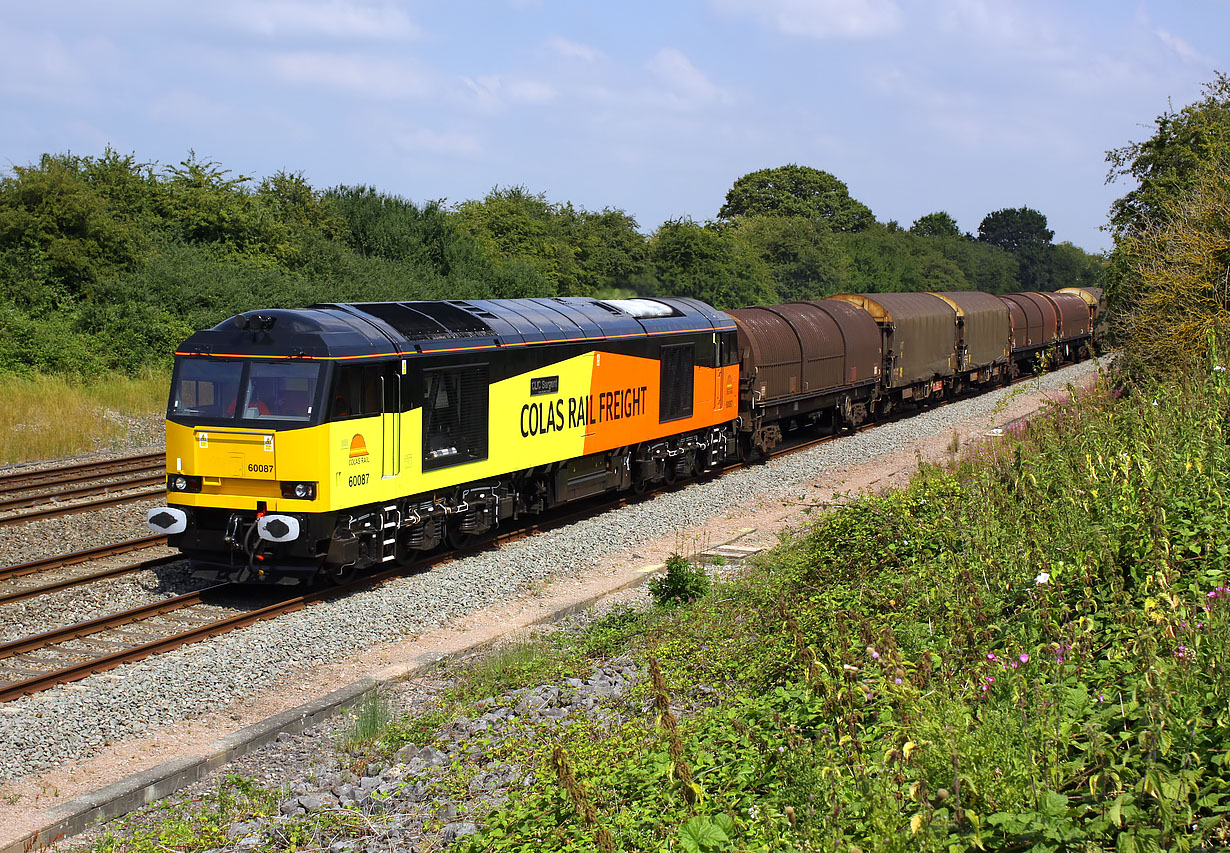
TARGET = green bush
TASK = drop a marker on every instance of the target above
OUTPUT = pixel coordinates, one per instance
(681, 583)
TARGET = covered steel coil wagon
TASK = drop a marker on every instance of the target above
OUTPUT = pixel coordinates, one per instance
(984, 332)
(804, 359)
(920, 339)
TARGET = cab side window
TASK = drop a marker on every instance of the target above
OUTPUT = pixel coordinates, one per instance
(356, 392)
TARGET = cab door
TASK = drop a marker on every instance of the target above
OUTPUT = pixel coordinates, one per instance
(391, 381)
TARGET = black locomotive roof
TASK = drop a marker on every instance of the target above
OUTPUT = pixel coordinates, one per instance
(374, 329)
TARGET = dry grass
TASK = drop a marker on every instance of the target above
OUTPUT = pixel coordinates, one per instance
(49, 417)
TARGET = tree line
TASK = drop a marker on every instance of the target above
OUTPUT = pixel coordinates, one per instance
(107, 262)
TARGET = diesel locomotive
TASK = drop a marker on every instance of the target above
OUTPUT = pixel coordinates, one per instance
(316, 443)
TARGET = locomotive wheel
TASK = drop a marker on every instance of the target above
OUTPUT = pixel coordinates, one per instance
(406, 557)
(456, 540)
(745, 453)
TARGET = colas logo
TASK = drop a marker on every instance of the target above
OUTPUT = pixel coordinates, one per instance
(358, 450)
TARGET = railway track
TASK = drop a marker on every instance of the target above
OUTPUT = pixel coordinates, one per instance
(69, 489)
(63, 560)
(67, 654)
(25, 593)
(62, 475)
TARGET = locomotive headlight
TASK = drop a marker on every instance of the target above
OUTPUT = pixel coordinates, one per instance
(183, 483)
(299, 491)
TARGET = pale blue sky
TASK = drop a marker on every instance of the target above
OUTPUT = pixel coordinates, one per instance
(652, 107)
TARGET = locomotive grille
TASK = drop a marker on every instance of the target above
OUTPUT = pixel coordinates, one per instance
(676, 378)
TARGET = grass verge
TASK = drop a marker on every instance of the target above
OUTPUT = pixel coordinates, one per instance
(49, 417)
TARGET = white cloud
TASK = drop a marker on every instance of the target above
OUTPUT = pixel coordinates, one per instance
(45, 66)
(351, 73)
(1051, 52)
(1182, 48)
(573, 50)
(494, 91)
(1004, 28)
(437, 142)
(820, 19)
(335, 18)
(674, 69)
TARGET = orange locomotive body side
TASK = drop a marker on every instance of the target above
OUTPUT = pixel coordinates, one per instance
(623, 404)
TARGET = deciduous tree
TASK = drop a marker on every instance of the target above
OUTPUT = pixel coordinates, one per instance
(1168, 164)
(802, 255)
(938, 224)
(794, 190)
(1015, 228)
(703, 262)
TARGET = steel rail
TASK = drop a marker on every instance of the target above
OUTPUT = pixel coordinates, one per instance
(101, 663)
(67, 473)
(7, 504)
(128, 471)
(61, 560)
(111, 620)
(82, 580)
(84, 506)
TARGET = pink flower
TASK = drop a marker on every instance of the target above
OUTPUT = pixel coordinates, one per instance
(1024, 658)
